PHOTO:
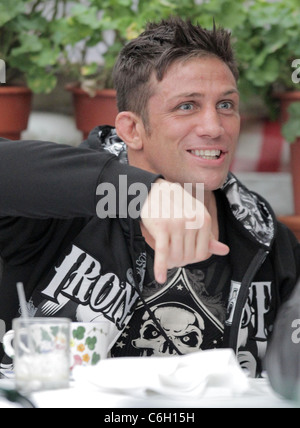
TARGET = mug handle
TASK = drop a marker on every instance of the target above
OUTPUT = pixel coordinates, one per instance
(7, 343)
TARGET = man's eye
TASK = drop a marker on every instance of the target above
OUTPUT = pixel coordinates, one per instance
(186, 107)
(225, 105)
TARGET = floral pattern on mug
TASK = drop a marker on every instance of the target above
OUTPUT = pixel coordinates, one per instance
(84, 345)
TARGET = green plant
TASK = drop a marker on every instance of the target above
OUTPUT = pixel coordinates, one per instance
(38, 38)
(105, 25)
(27, 42)
(266, 43)
(291, 129)
(265, 37)
(89, 24)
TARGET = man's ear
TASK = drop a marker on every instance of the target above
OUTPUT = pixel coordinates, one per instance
(129, 128)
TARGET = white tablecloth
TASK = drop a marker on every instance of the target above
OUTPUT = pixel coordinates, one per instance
(261, 396)
(199, 380)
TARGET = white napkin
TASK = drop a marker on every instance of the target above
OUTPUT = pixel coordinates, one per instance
(202, 374)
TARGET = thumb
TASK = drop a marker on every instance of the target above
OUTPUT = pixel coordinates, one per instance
(217, 247)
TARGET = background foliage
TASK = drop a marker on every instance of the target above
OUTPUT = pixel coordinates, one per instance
(38, 38)
(28, 45)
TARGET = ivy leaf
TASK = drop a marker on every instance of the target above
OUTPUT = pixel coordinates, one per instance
(89, 70)
(48, 56)
(234, 14)
(291, 129)
(40, 82)
(30, 43)
(11, 10)
(87, 16)
(266, 74)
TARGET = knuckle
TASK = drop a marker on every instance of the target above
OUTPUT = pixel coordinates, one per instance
(161, 249)
(202, 254)
(176, 256)
(207, 220)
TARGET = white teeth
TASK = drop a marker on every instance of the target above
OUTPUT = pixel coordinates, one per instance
(207, 154)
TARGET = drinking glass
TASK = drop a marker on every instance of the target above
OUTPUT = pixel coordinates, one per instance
(40, 348)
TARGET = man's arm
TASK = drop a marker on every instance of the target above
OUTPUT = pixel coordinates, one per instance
(43, 180)
(46, 180)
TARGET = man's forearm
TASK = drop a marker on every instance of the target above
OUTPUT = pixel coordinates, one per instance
(47, 180)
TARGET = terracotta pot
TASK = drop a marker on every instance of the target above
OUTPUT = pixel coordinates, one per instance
(15, 108)
(295, 169)
(93, 111)
(286, 99)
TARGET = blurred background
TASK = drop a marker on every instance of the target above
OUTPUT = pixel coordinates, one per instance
(58, 55)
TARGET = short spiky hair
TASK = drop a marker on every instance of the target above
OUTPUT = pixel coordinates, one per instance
(155, 50)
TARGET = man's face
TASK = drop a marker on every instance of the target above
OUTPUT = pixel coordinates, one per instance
(194, 123)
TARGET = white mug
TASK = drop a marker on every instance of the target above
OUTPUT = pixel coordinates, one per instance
(89, 343)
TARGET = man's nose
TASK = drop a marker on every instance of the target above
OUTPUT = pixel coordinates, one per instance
(209, 124)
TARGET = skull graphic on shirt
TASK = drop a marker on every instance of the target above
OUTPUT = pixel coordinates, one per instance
(181, 324)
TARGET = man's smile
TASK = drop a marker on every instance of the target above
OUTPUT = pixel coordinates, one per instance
(207, 154)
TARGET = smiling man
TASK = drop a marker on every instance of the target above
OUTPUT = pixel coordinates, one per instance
(193, 128)
(194, 124)
(164, 288)
(179, 117)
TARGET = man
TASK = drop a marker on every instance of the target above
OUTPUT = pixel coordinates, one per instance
(164, 287)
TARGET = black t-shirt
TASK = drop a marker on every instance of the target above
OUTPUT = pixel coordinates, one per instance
(191, 308)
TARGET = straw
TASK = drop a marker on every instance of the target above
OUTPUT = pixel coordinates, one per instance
(22, 299)
(25, 315)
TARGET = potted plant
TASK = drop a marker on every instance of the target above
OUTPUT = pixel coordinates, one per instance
(268, 49)
(266, 41)
(29, 55)
(93, 97)
(265, 36)
(290, 109)
(94, 33)
(102, 28)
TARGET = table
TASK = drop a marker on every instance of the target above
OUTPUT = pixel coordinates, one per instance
(262, 396)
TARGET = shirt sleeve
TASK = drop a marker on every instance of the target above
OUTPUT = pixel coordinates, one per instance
(47, 180)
